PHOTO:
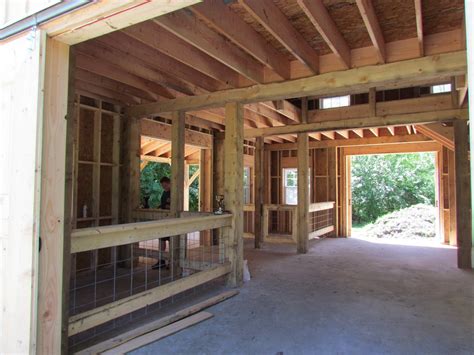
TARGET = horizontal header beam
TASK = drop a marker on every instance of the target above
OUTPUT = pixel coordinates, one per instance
(334, 83)
(367, 122)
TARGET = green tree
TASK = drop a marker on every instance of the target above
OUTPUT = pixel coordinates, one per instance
(150, 187)
(385, 183)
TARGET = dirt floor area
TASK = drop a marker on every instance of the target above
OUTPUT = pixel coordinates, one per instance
(346, 296)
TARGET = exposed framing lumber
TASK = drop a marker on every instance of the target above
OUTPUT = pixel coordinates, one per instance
(102, 17)
(226, 22)
(54, 255)
(259, 186)
(393, 148)
(439, 133)
(93, 238)
(373, 28)
(419, 26)
(302, 210)
(353, 123)
(234, 189)
(463, 195)
(334, 83)
(163, 131)
(157, 324)
(177, 163)
(320, 18)
(275, 22)
(188, 28)
(414, 138)
(100, 315)
(158, 334)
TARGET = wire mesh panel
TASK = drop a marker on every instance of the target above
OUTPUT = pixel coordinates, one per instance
(321, 221)
(131, 269)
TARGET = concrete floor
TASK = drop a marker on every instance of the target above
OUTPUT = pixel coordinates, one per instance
(346, 296)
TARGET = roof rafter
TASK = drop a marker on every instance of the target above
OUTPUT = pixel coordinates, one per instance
(275, 22)
(320, 18)
(373, 28)
(419, 26)
(224, 20)
(185, 25)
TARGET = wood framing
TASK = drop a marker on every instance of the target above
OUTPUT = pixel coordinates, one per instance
(303, 193)
(372, 24)
(334, 83)
(259, 186)
(177, 163)
(463, 188)
(234, 189)
(124, 306)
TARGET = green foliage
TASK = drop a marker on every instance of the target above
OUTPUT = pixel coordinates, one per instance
(150, 186)
(385, 183)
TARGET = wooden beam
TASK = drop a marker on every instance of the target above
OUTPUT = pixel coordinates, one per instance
(353, 123)
(177, 163)
(259, 186)
(463, 195)
(320, 18)
(100, 18)
(165, 42)
(440, 133)
(419, 26)
(93, 65)
(385, 140)
(373, 28)
(163, 131)
(275, 22)
(429, 146)
(187, 27)
(302, 210)
(226, 22)
(343, 82)
(233, 189)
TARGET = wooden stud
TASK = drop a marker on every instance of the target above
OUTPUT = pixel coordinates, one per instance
(463, 200)
(452, 197)
(372, 102)
(233, 189)
(419, 26)
(259, 185)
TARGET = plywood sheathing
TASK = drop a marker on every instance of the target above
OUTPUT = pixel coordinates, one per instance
(442, 15)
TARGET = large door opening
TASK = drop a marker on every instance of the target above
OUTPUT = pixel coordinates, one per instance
(394, 197)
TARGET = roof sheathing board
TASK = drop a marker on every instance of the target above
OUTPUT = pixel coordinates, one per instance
(442, 15)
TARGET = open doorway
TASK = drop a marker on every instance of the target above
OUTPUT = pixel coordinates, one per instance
(394, 197)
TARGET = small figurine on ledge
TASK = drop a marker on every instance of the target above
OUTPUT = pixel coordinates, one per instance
(220, 204)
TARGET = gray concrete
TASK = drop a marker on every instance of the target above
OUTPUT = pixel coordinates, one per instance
(346, 296)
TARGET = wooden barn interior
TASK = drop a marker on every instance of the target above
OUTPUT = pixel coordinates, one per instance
(233, 94)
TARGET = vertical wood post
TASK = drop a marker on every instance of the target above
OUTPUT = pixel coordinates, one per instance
(452, 198)
(259, 183)
(333, 186)
(303, 181)
(177, 163)
(55, 245)
(234, 188)
(177, 186)
(463, 188)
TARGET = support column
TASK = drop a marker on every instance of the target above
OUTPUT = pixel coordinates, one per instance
(177, 187)
(259, 183)
(469, 18)
(177, 163)
(303, 184)
(234, 188)
(463, 189)
(55, 244)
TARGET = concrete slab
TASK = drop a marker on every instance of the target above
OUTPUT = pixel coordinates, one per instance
(346, 296)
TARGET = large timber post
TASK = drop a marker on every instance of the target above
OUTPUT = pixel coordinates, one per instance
(303, 184)
(234, 188)
(463, 196)
(259, 183)
(469, 18)
(177, 186)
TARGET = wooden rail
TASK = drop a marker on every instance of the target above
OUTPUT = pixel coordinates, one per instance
(291, 238)
(108, 236)
(103, 314)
